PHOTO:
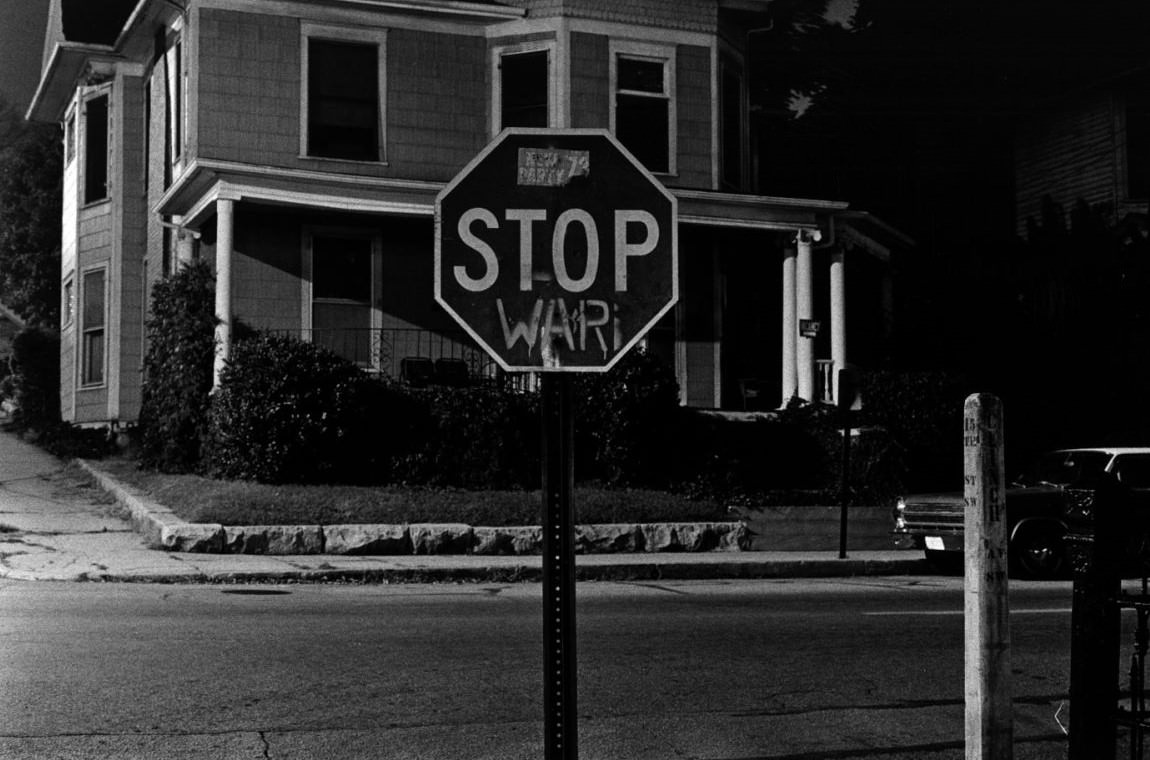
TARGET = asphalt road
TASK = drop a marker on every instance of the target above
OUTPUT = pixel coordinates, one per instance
(738, 670)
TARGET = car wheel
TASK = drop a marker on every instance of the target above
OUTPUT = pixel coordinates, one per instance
(1039, 552)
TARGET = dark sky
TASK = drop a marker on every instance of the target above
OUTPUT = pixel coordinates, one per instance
(21, 45)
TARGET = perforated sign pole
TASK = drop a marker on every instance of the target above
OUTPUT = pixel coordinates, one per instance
(560, 693)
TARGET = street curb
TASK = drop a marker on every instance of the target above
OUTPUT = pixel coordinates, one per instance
(163, 529)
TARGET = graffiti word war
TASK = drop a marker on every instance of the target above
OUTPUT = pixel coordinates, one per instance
(591, 325)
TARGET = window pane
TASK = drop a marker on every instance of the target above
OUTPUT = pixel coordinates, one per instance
(93, 359)
(523, 88)
(93, 315)
(341, 268)
(343, 100)
(639, 75)
(96, 149)
(1133, 470)
(641, 124)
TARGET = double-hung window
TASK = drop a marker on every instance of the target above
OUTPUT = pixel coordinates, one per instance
(643, 107)
(93, 317)
(343, 93)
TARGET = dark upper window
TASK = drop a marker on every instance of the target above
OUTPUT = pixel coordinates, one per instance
(643, 110)
(343, 116)
(96, 149)
(523, 90)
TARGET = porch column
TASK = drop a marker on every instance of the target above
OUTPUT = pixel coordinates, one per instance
(790, 328)
(804, 309)
(225, 210)
(838, 318)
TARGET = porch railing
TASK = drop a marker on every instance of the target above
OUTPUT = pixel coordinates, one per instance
(421, 357)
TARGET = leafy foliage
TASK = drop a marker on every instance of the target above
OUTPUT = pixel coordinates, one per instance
(290, 411)
(31, 173)
(178, 369)
(36, 378)
(627, 421)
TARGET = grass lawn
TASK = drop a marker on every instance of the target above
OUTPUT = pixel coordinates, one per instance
(198, 499)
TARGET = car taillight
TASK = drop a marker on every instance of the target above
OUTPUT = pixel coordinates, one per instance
(900, 515)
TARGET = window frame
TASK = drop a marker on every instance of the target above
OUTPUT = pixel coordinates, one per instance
(307, 280)
(82, 148)
(650, 52)
(85, 330)
(344, 34)
(498, 53)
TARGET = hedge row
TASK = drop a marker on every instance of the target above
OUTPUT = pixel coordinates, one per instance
(291, 411)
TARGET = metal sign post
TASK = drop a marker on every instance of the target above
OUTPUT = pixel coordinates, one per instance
(560, 693)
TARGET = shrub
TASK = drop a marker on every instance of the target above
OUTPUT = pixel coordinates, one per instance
(479, 437)
(627, 423)
(178, 370)
(35, 379)
(922, 414)
(290, 411)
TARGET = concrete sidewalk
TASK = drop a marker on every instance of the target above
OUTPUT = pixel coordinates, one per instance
(55, 524)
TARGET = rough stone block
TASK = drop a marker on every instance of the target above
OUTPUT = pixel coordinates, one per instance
(273, 539)
(366, 539)
(517, 540)
(660, 537)
(193, 537)
(441, 538)
(609, 538)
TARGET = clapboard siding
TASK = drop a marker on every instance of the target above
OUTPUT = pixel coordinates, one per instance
(1068, 154)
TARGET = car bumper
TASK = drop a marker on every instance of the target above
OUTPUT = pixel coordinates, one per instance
(938, 542)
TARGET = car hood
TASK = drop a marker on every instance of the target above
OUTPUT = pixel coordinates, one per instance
(957, 497)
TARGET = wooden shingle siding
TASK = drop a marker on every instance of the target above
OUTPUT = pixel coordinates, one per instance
(266, 273)
(590, 85)
(437, 100)
(693, 79)
(1069, 155)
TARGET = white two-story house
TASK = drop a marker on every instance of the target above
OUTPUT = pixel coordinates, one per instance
(298, 147)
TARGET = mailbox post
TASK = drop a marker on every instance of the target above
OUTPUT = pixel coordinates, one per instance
(556, 251)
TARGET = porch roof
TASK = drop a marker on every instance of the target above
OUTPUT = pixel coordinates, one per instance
(192, 198)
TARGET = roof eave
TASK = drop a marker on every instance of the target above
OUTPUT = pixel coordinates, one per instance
(58, 80)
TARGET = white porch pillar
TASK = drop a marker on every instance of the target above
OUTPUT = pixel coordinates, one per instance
(838, 317)
(225, 210)
(790, 328)
(804, 309)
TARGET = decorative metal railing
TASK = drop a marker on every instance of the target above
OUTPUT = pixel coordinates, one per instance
(421, 357)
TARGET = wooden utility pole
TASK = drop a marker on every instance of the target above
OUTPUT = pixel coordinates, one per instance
(989, 712)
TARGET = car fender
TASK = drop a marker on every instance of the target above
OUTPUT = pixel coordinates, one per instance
(1042, 520)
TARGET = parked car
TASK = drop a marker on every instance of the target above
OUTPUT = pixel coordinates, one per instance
(1036, 508)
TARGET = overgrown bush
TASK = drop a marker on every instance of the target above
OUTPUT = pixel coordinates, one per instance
(628, 423)
(290, 411)
(479, 437)
(35, 380)
(922, 414)
(178, 370)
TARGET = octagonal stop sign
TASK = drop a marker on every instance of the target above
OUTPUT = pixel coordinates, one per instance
(556, 250)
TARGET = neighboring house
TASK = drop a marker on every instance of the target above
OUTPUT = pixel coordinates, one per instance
(1091, 144)
(298, 147)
